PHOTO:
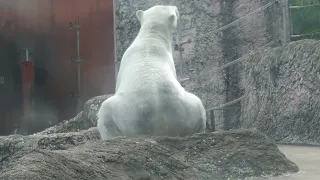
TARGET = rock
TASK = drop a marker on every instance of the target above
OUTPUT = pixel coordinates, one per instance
(83, 121)
(91, 109)
(282, 92)
(82, 155)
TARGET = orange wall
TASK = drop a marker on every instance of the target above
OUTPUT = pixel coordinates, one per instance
(44, 26)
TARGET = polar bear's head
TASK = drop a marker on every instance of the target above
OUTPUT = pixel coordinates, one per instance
(160, 15)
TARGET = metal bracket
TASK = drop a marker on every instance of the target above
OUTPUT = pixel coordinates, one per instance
(178, 47)
(73, 94)
(27, 54)
(1, 79)
(74, 26)
(74, 61)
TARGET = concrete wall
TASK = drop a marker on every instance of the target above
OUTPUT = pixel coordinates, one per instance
(209, 50)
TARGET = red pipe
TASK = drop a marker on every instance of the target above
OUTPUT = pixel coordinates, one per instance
(27, 72)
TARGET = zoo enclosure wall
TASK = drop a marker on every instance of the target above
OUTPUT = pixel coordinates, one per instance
(43, 25)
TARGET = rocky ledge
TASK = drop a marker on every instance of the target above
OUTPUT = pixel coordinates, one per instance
(83, 156)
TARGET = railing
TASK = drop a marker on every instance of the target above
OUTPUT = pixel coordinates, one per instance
(295, 36)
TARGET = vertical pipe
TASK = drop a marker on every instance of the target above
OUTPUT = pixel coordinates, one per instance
(1, 79)
(181, 61)
(97, 5)
(212, 121)
(115, 41)
(27, 75)
(290, 22)
(52, 13)
(284, 15)
(180, 48)
(79, 65)
(27, 55)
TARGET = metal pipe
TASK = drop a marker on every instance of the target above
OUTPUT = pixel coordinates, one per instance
(213, 122)
(26, 54)
(302, 35)
(290, 22)
(52, 13)
(78, 61)
(181, 61)
(284, 15)
(298, 7)
(179, 47)
(79, 66)
(295, 36)
(115, 41)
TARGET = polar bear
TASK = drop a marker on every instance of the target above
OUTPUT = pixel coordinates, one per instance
(149, 100)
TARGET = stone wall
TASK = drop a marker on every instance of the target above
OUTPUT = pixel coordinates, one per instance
(208, 50)
(283, 96)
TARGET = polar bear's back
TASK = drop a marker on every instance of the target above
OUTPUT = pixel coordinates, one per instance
(144, 66)
(162, 114)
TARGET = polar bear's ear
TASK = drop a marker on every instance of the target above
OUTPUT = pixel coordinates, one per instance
(139, 14)
(173, 19)
(174, 16)
(177, 12)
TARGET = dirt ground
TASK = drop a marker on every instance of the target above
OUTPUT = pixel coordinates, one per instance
(308, 160)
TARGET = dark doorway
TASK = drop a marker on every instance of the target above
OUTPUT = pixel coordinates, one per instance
(10, 86)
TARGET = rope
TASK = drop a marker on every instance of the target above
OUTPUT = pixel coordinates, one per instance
(308, 34)
(239, 59)
(238, 20)
(227, 104)
(215, 70)
(227, 65)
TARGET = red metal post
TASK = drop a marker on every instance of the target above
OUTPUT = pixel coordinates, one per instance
(27, 72)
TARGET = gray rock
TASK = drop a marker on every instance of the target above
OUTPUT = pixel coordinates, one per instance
(283, 92)
(81, 155)
(91, 109)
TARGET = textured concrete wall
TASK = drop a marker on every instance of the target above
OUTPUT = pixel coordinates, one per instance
(208, 50)
(283, 94)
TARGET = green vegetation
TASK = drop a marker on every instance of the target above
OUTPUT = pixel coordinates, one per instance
(306, 20)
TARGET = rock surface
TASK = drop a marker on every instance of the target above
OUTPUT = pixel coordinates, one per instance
(82, 155)
(283, 92)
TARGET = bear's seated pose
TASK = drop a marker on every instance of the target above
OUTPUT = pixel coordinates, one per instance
(149, 100)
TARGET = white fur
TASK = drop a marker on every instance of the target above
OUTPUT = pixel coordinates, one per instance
(149, 99)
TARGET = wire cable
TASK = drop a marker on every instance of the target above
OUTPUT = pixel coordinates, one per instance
(238, 20)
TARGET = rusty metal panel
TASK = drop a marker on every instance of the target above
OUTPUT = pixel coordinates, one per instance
(43, 25)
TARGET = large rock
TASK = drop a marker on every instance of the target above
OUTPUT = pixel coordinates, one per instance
(81, 155)
(283, 92)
